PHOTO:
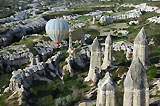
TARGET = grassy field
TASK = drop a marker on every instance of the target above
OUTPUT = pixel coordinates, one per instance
(76, 35)
(84, 18)
(124, 9)
(80, 9)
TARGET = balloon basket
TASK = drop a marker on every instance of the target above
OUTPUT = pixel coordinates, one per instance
(57, 44)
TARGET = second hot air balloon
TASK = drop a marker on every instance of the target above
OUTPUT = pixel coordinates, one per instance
(57, 29)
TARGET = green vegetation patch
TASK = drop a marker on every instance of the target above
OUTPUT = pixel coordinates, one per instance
(120, 59)
(154, 54)
(76, 35)
(84, 18)
(119, 96)
(5, 102)
(125, 9)
(118, 39)
(152, 29)
(79, 11)
(151, 72)
(4, 80)
(92, 32)
(117, 73)
(30, 41)
(56, 89)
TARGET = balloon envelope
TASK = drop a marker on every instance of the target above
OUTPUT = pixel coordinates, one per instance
(57, 29)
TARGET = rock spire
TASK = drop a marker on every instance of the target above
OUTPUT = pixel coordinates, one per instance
(95, 62)
(70, 48)
(141, 47)
(107, 61)
(83, 37)
(106, 92)
(136, 88)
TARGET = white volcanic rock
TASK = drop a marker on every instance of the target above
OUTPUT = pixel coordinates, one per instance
(146, 8)
(81, 57)
(136, 87)
(29, 26)
(141, 47)
(156, 89)
(83, 37)
(155, 19)
(91, 92)
(70, 63)
(127, 5)
(50, 65)
(102, 20)
(134, 22)
(106, 92)
(6, 90)
(108, 59)
(142, 7)
(122, 45)
(22, 79)
(87, 103)
(126, 46)
(109, 19)
(34, 60)
(35, 12)
(61, 8)
(106, 20)
(129, 54)
(70, 48)
(52, 74)
(121, 33)
(94, 20)
(129, 14)
(19, 57)
(44, 49)
(16, 17)
(95, 62)
(21, 15)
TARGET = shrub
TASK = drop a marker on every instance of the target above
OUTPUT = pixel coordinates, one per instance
(70, 99)
(151, 72)
(48, 100)
(33, 91)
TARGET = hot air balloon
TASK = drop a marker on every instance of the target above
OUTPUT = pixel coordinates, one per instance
(57, 29)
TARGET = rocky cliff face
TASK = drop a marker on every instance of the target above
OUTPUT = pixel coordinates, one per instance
(80, 59)
(16, 33)
(19, 55)
(22, 78)
(9, 61)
